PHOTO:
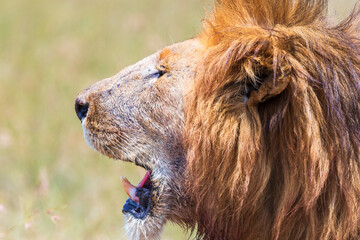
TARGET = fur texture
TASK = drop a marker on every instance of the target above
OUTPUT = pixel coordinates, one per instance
(273, 123)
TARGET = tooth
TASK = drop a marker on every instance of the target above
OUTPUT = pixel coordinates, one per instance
(129, 189)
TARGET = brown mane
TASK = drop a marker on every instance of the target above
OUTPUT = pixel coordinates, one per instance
(273, 123)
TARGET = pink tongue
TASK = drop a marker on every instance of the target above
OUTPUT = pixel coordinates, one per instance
(146, 179)
(131, 189)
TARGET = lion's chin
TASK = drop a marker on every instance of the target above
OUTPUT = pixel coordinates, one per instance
(143, 212)
(141, 222)
(148, 228)
(139, 202)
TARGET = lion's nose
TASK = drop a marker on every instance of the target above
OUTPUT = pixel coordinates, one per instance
(81, 108)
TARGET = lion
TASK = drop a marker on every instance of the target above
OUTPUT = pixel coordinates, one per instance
(250, 130)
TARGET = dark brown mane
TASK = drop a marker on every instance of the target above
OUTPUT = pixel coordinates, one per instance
(273, 123)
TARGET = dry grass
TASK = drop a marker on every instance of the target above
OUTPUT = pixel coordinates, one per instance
(52, 185)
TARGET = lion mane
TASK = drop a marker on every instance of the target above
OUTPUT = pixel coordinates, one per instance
(272, 130)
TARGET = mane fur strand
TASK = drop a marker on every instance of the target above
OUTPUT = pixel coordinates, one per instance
(285, 166)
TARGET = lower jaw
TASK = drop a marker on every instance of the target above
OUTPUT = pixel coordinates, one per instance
(139, 202)
(141, 210)
(140, 229)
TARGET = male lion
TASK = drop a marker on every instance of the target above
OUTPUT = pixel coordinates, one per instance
(251, 130)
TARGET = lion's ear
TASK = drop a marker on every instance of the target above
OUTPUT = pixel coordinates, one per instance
(270, 85)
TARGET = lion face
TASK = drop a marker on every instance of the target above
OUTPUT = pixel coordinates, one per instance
(249, 131)
(137, 116)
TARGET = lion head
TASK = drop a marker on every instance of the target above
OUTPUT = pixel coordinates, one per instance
(251, 130)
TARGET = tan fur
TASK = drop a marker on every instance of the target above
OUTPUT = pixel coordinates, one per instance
(254, 130)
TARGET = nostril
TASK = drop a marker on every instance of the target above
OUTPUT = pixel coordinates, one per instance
(81, 109)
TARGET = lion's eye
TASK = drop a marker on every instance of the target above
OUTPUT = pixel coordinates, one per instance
(160, 71)
(158, 74)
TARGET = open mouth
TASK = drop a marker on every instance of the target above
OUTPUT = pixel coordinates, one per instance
(139, 201)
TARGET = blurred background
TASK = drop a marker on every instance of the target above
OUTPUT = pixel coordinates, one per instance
(52, 185)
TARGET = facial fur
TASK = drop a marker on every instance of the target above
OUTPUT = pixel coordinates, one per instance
(137, 116)
(251, 130)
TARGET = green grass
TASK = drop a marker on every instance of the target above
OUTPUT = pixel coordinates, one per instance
(52, 185)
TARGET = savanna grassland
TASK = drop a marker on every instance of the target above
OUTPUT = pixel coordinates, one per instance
(52, 185)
